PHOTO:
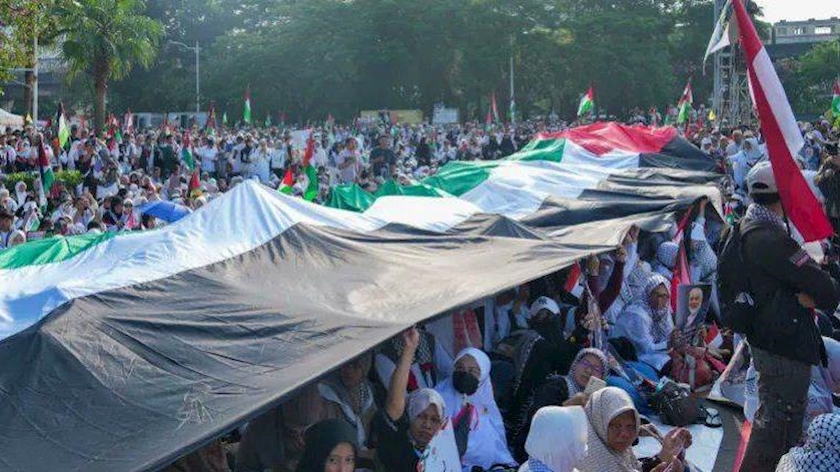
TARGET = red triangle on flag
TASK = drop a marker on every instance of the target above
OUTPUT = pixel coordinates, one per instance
(573, 280)
(289, 178)
(195, 184)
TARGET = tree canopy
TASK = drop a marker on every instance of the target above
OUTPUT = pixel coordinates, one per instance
(310, 58)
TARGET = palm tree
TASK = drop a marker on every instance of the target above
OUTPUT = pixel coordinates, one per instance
(106, 39)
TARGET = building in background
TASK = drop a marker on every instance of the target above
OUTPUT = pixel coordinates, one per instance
(808, 31)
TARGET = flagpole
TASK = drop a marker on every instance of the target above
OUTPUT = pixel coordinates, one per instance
(512, 98)
(35, 83)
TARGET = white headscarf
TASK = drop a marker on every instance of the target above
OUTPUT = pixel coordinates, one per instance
(487, 441)
(824, 382)
(603, 407)
(17, 234)
(20, 191)
(420, 399)
(832, 348)
(557, 439)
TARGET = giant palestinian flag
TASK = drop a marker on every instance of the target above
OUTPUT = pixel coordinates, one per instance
(125, 351)
(553, 169)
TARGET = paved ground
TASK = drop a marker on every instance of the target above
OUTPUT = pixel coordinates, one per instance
(732, 419)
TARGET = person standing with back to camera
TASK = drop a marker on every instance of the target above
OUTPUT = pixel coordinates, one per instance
(784, 341)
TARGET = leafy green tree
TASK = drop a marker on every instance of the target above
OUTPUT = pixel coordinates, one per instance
(24, 20)
(808, 79)
(106, 39)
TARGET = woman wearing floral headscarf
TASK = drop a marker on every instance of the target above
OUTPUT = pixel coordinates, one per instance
(560, 390)
(648, 322)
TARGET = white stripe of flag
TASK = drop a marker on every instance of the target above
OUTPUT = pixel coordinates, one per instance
(784, 139)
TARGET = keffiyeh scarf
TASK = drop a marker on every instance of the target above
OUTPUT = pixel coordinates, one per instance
(820, 452)
(536, 466)
(758, 212)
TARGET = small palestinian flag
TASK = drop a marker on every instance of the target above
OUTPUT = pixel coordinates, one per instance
(63, 129)
(246, 113)
(311, 173)
(186, 153)
(835, 101)
(287, 183)
(47, 177)
(195, 185)
(684, 105)
(587, 103)
(210, 126)
(224, 119)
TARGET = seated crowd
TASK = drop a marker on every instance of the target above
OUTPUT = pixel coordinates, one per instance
(562, 373)
(545, 379)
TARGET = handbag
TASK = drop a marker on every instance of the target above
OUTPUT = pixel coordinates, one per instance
(675, 405)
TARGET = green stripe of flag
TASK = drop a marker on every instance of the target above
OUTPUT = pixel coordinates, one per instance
(455, 178)
(50, 250)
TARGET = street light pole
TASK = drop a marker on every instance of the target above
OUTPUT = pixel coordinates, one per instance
(35, 84)
(197, 82)
(195, 49)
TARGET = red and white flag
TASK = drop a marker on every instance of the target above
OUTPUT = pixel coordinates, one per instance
(128, 120)
(784, 140)
(573, 283)
(681, 275)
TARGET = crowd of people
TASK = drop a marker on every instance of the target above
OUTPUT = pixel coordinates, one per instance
(547, 380)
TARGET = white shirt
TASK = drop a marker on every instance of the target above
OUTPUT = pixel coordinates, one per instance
(733, 148)
(208, 156)
(278, 157)
(347, 175)
(320, 158)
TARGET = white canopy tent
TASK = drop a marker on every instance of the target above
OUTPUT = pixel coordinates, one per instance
(10, 119)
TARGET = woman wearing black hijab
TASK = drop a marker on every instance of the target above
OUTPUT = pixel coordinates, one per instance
(330, 447)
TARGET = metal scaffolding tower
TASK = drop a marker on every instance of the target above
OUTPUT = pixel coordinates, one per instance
(731, 96)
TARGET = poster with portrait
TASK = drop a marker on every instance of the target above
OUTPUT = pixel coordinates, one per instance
(441, 455)
(692, 305)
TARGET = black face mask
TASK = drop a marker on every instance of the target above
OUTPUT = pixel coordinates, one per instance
(464, 383)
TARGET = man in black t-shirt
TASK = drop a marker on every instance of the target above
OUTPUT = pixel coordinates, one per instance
(383, 158)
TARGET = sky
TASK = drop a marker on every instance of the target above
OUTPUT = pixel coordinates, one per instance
(775, 10)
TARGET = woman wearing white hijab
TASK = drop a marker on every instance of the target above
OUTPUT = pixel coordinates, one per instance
(468, 395)
(557, 440)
